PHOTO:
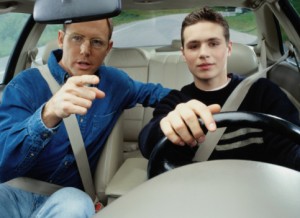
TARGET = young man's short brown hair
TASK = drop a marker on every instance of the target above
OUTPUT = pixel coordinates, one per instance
(205, 14)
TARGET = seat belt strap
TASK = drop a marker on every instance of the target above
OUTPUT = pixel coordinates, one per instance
(232, 104)
(75, 138)
(263, 56)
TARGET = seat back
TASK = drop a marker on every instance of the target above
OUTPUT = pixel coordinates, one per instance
(50, 46)
(287, 78)
(125, 133)
(170, 70)
(243, 60)
(135, 63)
(110, 160)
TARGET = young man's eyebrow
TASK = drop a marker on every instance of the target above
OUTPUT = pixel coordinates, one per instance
(214, 39)
(193, 42)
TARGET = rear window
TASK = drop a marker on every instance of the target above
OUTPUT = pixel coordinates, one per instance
(156, 28)
(140, 28)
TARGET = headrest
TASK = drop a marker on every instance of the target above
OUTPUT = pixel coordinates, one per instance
(127, 57)
(243, 60)
(175, 46)
(50, 46)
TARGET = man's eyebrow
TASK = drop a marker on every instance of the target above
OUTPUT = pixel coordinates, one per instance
(74, 33)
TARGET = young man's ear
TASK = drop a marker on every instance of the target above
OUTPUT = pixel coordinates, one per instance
(182, 52)
(229, 46)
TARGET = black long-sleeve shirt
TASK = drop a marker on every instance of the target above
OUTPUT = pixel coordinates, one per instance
(236, 143)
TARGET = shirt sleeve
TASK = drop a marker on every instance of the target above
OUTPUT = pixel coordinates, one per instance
(147, 94)
(23, 134)
(151, 133)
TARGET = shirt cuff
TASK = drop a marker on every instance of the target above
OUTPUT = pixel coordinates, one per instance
(38, 130)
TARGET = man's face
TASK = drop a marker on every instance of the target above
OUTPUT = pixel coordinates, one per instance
(85, 46)
(205, 51)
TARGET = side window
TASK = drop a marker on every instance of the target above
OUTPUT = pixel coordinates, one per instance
(11, 25)
(242, 25)
(286, 41)
(296, 5)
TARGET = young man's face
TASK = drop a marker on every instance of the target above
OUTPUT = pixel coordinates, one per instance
(205, 51)
(85, 46)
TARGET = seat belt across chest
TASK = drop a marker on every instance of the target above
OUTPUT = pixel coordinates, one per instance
(75, 138)
(232, 104)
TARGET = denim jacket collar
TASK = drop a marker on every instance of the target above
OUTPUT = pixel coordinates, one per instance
(57, 71)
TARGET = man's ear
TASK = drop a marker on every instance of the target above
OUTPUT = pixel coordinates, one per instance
(60, 38)
(109, 47)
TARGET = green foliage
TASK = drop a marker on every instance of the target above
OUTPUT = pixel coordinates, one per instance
(50, 33)
(10, 28)
(244, 22)
(135, 15)
(296, 5)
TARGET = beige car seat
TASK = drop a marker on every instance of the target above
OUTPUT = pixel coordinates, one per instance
(135, 63)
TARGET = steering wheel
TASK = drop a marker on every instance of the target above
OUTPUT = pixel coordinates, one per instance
(159, 162)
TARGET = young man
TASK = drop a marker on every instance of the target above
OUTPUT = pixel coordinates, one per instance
(205, 48)
(33, 138)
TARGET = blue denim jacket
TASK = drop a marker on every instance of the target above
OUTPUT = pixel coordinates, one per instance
(29, 148)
